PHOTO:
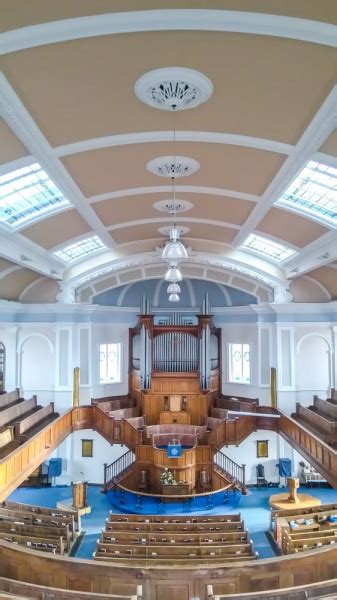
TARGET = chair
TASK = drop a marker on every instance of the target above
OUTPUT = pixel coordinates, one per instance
(260, 478)
(204, 481)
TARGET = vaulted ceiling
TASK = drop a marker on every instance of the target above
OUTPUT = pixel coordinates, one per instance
(67, 102)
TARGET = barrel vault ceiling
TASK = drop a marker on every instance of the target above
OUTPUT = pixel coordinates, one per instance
(68, 104)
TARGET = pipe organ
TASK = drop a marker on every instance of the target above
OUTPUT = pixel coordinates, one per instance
(175, 344)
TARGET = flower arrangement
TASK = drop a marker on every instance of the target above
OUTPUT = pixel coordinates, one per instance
(167, 478)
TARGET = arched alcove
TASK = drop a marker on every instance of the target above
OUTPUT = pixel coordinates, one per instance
(36, 354)
(313, 363)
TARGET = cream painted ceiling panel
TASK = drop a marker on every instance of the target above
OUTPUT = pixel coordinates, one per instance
(105, 283)
(13, 284)
(327, 276)
(197, 230)
(330, 146)
(130, 276)
(98, 75)
(57, 230)
(230, 167)
(290, 227)
(220, 208)
(305, 289)
(43, 291)
(10, 147)
(5, 264)
(15, 13)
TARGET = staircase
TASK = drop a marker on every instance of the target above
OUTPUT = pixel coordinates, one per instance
(118, 469)
(233, 472)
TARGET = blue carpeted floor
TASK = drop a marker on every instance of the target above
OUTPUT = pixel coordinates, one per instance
(254, 509)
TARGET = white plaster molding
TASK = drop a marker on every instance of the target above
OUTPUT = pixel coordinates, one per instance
(190, 289)
(22, 341)
(66, 295)
(18, 163)
(313, 334)
(172, 166)
(156, 294)
(168, 20)
(226, 294)
(173, 88)
(319, 285)
(122, 294)
(28, 287)
(321, 126)
(24, 127)
(8, 271)
(145, 137)
(161, 189)
(317, 254)
(169, 220)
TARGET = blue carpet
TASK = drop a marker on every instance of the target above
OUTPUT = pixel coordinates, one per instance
(254, 509)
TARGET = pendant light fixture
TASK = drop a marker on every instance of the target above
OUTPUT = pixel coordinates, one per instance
(173, 288)
(174, 298)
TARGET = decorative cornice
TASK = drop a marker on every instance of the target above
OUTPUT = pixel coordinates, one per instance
(168, 20)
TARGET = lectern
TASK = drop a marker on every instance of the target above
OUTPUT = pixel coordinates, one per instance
(79, 494)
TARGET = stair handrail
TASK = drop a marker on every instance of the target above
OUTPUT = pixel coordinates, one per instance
(115, 471)
(232, 469)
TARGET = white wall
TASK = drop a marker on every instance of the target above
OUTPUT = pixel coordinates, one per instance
(75, 467)
(246, 454)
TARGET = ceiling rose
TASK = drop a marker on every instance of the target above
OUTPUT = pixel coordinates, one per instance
(173, 206)
(173, 166)
(173, 88)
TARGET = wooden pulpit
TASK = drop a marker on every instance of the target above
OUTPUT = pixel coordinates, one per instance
(79, 494)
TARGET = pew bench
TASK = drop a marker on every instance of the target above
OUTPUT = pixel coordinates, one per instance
(55, 545)
(153, 539)
(170, 527)
(38, 531)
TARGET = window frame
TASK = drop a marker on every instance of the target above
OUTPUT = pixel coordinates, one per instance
(107, 344)
(230, 362)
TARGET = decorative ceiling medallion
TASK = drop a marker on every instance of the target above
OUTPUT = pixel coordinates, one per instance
(167, 230)
(173, 88)
(173, 166)
(173, 206)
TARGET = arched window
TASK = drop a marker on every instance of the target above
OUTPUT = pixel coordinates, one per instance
(2, 366)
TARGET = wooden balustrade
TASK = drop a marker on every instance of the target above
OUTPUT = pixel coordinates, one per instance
(317, 452)
(171, 581)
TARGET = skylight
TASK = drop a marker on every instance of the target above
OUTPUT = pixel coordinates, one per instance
(267, 248)
(314, 192)
(80, 249)
(26, 194)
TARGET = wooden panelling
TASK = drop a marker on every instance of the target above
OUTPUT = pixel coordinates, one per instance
(317, 452)
(15, 467)
(102, 577)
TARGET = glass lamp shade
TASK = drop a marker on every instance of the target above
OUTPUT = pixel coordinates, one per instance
(174, 250)
(173, 274)
(173, 288)
(174, 298)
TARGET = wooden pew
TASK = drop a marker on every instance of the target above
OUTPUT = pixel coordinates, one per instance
(234, 518)
(6, 436)
(70, 516)
(180, 538)
(29, 518)
(55, 545)
(13, 413)
(9, 398)
(165, 527)
(308, 543)
(27, 423)
(38, 531)
(325, 408)
(321, 424)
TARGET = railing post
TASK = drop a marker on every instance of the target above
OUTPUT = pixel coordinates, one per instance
(244, 489)
(105, 473)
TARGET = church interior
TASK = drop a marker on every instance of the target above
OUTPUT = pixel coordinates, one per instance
(168, 299)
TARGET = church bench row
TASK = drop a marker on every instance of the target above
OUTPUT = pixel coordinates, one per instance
(303, 544)
(38, 531)
(166, 527)
(115, 518)
(228, 537)
(294, 512)
(35, 542)
(325, 408)
(6, 436)
(27, 423)
(33, 519)
(31, 590)
(70, 516)
(320, 423)
(9, 398)
(175, 550)
(13, 413)
(123, 413)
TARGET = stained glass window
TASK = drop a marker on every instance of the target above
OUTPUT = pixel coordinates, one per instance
(239, 363)
(110, 363)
